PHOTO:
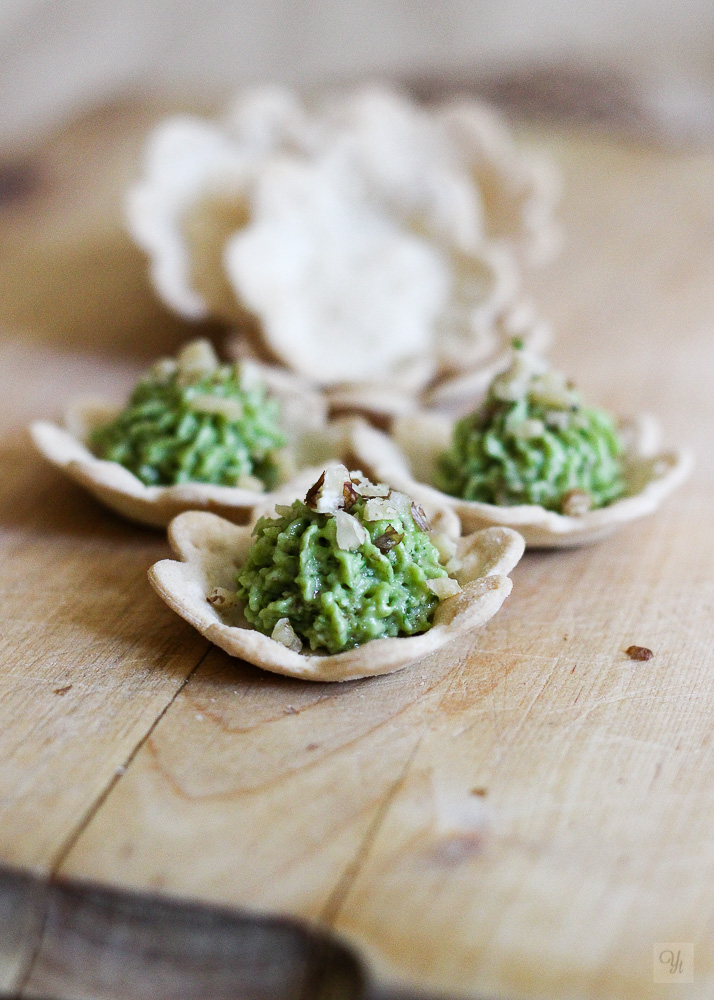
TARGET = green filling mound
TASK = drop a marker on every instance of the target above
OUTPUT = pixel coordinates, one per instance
(195, 420)
(337, 599)
(534, 443)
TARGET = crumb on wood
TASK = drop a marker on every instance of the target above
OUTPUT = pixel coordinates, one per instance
(639, 653)
(62, 690)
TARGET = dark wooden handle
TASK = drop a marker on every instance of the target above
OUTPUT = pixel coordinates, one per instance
(63, 939)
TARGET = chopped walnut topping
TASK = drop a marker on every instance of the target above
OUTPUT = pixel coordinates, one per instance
(551, 389)
(529, 429)
(639, 653)
(576, 503)
(327, 495)
(163, 369)
(314, 492)
(367, 489)
(350, 494)
(388, 539)
(285, 635)
(443, 587)
(349, 533)
(379, 509)
(231, 409)
(419, 517)
(195, 361)
(222, 598)
(560, 419)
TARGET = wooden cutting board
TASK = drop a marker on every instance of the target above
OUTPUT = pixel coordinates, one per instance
(528, 814)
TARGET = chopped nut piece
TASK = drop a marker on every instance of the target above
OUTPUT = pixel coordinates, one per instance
(221, 598)
(639, 653)
(196, 360)
(379, 509)
(367, 489)
(349, 533)
(314, 492)
(443, 587)
(327, 495)
(285, 635)
(529, 429)
(231, 409)
(388, 539)
(513, 384)
(560, 419)
(419, 517)
(551, 389)
(163, 369)
(350, 494)
(401, 502)
(576, 503)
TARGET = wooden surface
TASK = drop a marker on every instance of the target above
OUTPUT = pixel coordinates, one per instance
(525, 815)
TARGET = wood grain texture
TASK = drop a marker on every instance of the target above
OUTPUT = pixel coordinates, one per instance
(594, 842)
(86, 671)
(524, 815)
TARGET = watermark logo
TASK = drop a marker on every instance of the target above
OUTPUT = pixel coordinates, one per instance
(673, 962)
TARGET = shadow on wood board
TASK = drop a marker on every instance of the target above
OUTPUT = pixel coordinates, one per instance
(68, 940)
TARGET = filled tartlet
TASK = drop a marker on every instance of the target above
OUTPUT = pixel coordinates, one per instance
(532, 456)
(355, 579)
(194, 434)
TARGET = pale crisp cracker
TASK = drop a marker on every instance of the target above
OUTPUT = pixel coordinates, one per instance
(342, 291)
(211, 550)
(407, 460)
(303, 415)
(348, 234)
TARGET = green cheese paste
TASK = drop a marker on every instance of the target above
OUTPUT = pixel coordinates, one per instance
(195, 420)
(340, 581)
(533, 442)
